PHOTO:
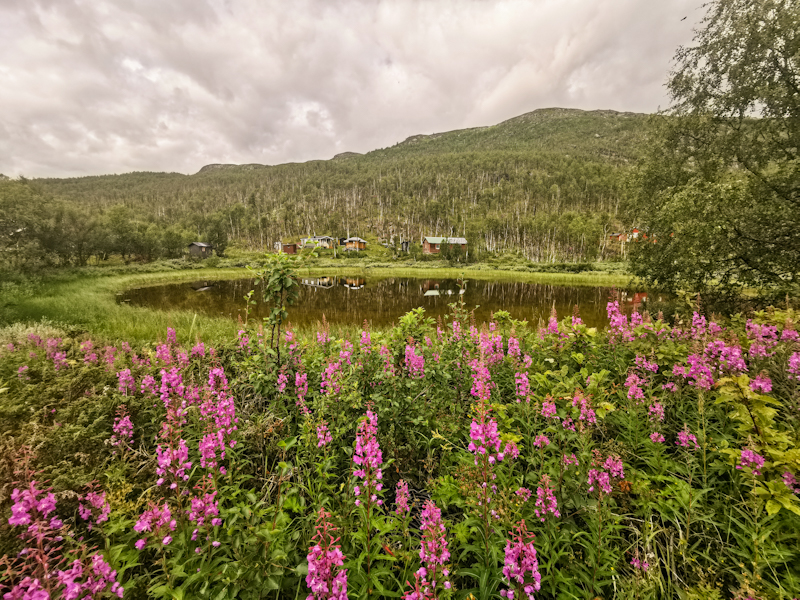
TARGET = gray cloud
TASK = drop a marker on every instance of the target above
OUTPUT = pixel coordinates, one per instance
(105, 86)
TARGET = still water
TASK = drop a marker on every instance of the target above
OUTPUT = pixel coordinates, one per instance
(351, 300)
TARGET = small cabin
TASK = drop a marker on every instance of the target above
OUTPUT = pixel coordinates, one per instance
(289, 248)
(355, 243)
(618, 237)
(200, 249)
(319, 241)
(433, 245)
(634, 233)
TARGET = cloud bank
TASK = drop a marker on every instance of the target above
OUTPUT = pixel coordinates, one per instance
(102, 86)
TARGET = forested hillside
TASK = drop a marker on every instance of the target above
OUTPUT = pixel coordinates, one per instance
(547, 183)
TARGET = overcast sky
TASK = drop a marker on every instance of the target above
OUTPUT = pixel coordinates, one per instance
(99, 86)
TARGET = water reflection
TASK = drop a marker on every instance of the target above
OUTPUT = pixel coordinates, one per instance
(353, 299)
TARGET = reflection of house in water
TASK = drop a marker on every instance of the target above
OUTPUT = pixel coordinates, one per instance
(431, 287)
(319, 282)
(634, 300)
(201, 286)
(353, 283)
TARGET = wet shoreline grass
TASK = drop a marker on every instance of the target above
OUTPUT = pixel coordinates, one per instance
(86, 300)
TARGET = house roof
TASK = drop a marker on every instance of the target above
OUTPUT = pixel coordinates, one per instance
(355, 239)
(201, 245)
(443, 240)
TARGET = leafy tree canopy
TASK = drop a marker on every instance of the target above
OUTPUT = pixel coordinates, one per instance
(719, 192)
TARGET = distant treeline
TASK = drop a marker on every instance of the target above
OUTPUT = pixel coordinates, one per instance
(544, 187)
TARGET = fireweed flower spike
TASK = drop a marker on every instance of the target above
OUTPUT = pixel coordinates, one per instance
(401, 499)
(752, 460)
(323, 435)
(433, 550)
(687, 439)
(521, 567)
(368, 459)
(326, 580)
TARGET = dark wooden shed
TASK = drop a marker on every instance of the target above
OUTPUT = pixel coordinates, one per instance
(200, 249)
(289, 248)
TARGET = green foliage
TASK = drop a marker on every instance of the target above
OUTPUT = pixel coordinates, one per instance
(717, 193)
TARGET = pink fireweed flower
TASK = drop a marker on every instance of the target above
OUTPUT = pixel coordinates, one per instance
(513, 347)
(22, 372)
(326, 580)
(545, 500)
(552, 325)
(323, 435)
(790, 335)
(481, 381)
(698, 372)
(60, 361)
(369, 460)
(646, 365)
(614, 466)
(521, 567)
(752, 460)
(126, 382)
(541, 441)
(415, 363)
(122, 428)
(401, 499)
(149, 385)
(366, 342)
(485, 439)
(549, 409)
(523, 386)
(331, 379)
(639, 564)
(172, 338)
(154, 519)
(301, 389)
(346, 353)
(388, 362)
(794, 366)
(587, 415)
(511, 450)
(174, 461)
(791, 482)
(669, 387)
(762, 384)
(656, 438)
(323, 337)
(568, 424)
(686, 439)
(569, 460)
(634, 390)
(283, 381)
(96, 507)
(198, 349)
(601, 478)
(433, 552)
(524, 494)
(656, 410)
(204, 509)
(164, 354)
(244, 340)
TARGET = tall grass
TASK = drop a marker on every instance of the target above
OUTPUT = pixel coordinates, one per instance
(87, 299)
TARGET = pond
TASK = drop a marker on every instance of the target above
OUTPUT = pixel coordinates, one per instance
(349, 300)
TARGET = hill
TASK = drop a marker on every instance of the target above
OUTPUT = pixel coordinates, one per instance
(546, 183)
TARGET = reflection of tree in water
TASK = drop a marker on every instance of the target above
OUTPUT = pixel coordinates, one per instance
(352, 299)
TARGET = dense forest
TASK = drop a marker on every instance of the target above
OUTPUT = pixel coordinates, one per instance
(547, 184)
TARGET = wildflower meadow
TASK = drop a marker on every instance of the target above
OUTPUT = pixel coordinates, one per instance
(436, 459)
